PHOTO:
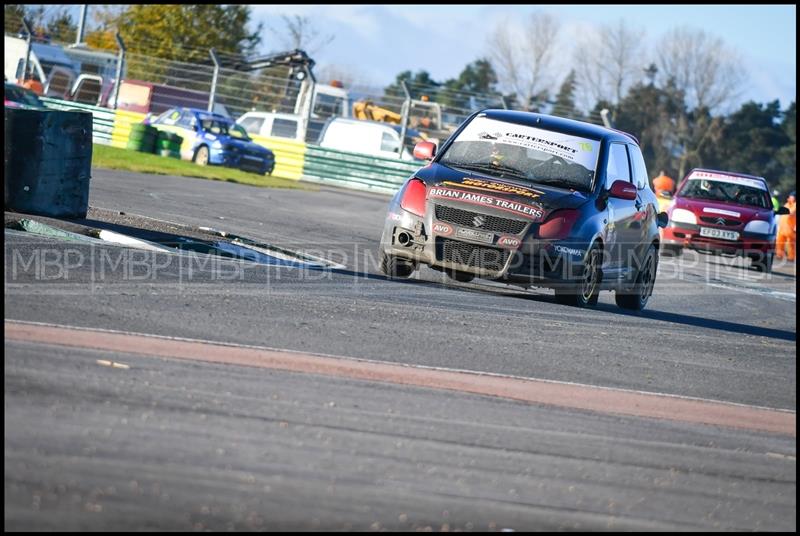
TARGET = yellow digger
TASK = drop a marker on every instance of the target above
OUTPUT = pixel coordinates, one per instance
(423, 116)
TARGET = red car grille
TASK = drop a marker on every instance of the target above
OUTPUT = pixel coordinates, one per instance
(726, 222)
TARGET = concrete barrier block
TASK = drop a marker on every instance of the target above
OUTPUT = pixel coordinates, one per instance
(48, 162)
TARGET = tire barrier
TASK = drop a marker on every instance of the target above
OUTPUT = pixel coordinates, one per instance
(143, 138)
(168, 144)
(48, 162)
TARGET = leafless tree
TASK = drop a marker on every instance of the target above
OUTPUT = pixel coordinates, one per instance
(608, 60)
(708, 71)
(298, 31)
(522, 55)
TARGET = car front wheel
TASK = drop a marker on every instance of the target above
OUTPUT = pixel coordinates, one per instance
(762, 262)
(636, 298)
(396, 268)
(586, 291)
(201, 156)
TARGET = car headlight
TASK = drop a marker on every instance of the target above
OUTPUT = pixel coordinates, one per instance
(757, 226)
(681, 215)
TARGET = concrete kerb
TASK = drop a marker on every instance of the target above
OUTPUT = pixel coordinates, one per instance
(245, 251)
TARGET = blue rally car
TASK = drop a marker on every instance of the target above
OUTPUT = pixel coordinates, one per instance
(210, 138)
(532, 200)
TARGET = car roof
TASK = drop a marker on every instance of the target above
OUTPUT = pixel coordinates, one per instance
(734, 173)
(560, 124)
(361, 122)
(203, 113)
(280, 115)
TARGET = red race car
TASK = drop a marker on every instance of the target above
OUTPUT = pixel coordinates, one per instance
(723, 212)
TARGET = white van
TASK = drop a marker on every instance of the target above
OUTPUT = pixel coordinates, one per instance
(272, 124)
(366, 137)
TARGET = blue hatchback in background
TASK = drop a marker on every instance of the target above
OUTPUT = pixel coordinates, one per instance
(210, 138)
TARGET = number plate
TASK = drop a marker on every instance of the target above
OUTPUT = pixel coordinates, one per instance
(478, 236)
(719, 233)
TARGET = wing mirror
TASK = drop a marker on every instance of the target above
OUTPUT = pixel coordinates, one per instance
(425, 150)
(623, 190)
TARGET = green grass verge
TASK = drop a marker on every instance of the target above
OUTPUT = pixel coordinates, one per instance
(105, 156)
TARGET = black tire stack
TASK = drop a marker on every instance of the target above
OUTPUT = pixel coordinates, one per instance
(143, 138)
(168, 144)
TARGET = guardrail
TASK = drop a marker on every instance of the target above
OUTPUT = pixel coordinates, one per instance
(354, 170)
(294, 159)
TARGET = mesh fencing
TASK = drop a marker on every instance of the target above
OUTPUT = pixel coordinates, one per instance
(274, 89)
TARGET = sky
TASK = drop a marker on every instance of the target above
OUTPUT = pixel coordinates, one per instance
(376, 42)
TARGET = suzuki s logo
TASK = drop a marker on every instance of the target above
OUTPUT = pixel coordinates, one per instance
(720, 221)
(478, 221)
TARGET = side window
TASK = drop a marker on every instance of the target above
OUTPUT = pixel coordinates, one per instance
(170, 117)
(284, 128)
(388, 143)
(185, 120)
(252, 125)
(639, 168)
(617, 167)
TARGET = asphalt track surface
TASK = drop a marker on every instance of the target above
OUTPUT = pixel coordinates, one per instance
(178, 444)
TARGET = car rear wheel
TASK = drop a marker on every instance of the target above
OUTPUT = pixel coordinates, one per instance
(587, 290)
(201, 156)
(396, 268)
(636, 298)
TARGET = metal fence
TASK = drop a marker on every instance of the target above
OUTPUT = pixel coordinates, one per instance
(273, 89)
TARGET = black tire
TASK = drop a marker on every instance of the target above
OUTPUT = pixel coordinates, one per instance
(636, 298)
(762, 262)
(461, 277)
(201, 156)
(396, 268)
(587, 291)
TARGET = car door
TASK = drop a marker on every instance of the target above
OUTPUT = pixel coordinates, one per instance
(623, 229)
(646, 209)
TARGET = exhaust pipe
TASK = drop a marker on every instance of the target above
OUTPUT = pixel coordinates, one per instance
(404, 239)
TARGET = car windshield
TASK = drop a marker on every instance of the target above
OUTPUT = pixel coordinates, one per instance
(726, 189)
(238, 132)
(214, 126)
(530, 154)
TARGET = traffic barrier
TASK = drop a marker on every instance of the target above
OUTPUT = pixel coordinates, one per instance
(354, 170)
(123, 122)
(48, 161)
(289, 156)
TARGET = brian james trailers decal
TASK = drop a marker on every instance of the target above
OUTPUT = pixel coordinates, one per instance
(533, 212)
